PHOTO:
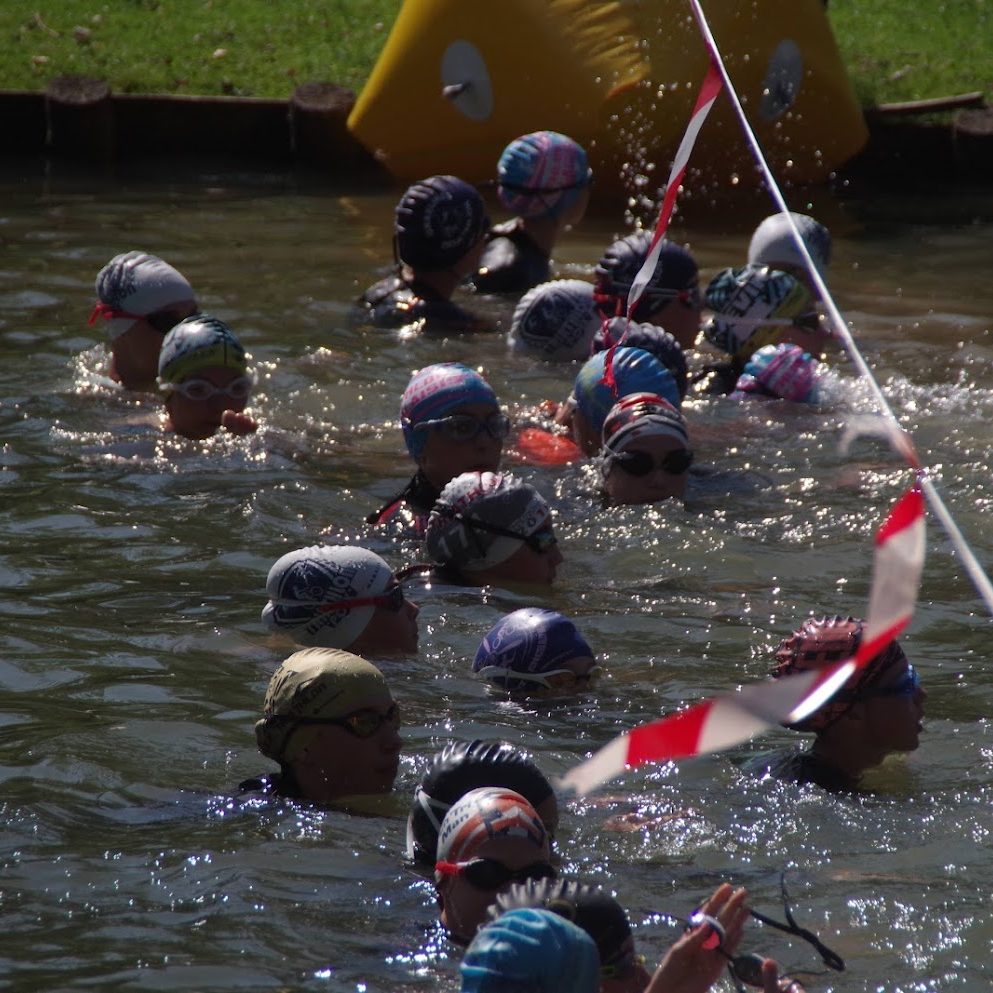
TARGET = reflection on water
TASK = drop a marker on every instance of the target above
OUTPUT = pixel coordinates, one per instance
(133, 661)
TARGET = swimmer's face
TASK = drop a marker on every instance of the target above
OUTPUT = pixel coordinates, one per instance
(389, 632)
(893, 710)
(201, 418)
(445, 457)
(624, 487)
(681, 318)
(529, 565)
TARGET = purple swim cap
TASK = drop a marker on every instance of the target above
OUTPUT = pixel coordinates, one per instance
(438, 220)
(437, 390)
(542, 174)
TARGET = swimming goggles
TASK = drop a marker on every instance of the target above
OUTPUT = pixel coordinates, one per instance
(550, 679)
(489, 874)
(465, 427)
(391, 599)
(360, 723)
(163, 321)
(638, 463)
(539, 542)
(200, 389)
(908, 685)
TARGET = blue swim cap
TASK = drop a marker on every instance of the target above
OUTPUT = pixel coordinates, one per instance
(438, 220)
(634, 370)
(542, 174)
(531, 950)
(530, 640)
(197, 343)
(651, 338)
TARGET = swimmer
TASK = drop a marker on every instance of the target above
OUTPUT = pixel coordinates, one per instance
(340, 596)
(633, 370)
(451, 424)
(544, 178)
(490, 528)
(650, 338)
(532, 649)
(878, 711)
(439, 236)
(530, 951)
(140, 298)
(779, 372)
(330, 722)
(646, 451)
(773, 245)
(203, 373)
(672, 297)
(467, 765)
(489, 839)
(755, 306)
(555, 321)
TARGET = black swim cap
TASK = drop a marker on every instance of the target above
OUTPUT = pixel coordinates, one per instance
(650, 338)
(460, 767)
(438, 220)
(587, 906)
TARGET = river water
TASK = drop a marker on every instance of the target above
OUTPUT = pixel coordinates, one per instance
(133, 662)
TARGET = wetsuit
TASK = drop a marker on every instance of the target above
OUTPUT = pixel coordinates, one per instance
(395, 302)
(791, 765)
(273, 784)
(512, 262)
(419, 496)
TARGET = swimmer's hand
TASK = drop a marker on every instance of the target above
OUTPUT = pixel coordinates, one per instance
(238, 422)
(772, 982)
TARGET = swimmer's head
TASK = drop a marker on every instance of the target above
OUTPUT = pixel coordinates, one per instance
(434, 392)
(136, 286)
(464, 766)
(823, 641)
(542, 174)
(773, 245)
(532, 649)
(196, 344)
(313, 593)
(321, 683)
(755, 306)
(555, 321)
(675, 278)
(439, 221)
(650, 338)
(783, 372)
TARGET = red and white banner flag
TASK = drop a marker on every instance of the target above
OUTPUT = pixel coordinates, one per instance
(729, 720)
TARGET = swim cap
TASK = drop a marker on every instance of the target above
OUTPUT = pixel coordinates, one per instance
(652, 339)
(134, 285)
(822, 641)
(197, 343)
(304, 586)
(635, 371)
(435, 391)
(530, 951)
(489, 812)
(586, 906)
(640, 415)
(314, 682)
(493, 498)
(438, 221)
(675, 273)
(555, 320)
(542, 174)
(460, 767)
(783, 371)
(754, 306)
(530, 640)
(773, 245)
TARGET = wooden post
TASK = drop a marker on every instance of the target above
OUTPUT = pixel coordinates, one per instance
(973, 139)
(319, 133)
(80, 119)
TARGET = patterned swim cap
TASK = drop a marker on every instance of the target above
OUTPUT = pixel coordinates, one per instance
(495, 499)
(755, 306)
(675, 276)
(531, 951)
(197, 343)
(772, 243)
(438, 221)
(640, 415)
(635, 371)
(822, 641)
(435, 391)
(460, 767)
(489, 812)
(134, 285)
(542, 174)
(555, 320)
(304, 586)
(782, 371)
(651, 338)
(530, 640)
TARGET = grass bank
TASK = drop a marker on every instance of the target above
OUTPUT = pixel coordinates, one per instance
(895, 49)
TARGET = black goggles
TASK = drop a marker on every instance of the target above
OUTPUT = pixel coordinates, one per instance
(638, 463)
(360, 723)
(489, 874)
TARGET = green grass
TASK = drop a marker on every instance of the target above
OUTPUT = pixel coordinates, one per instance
(895, 49)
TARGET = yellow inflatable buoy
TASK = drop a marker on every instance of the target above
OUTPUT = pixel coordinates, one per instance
(457, 81)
